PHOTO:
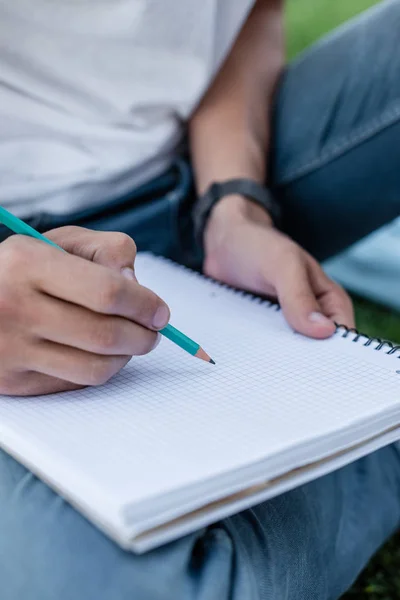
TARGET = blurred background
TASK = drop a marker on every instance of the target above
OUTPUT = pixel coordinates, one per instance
(306, 21)
(375, 264)
(309, 19)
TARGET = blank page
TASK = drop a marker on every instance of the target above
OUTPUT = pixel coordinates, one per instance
(169, 420)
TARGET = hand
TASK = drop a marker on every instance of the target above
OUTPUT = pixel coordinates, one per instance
(244, 250)
(71, 319)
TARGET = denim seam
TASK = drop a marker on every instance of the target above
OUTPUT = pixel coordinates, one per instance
(347, 143)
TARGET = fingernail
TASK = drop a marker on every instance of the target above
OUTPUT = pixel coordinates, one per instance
(128, 273)
(158, 340)
(161, 317)
(317, 317)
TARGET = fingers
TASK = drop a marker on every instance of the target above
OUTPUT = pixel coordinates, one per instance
(73, 365)
(111, 249)
(34, 384)
(298, 300)
(334, 301)
(66, 322)
(312, 303)
(78, 281)
(78, 327)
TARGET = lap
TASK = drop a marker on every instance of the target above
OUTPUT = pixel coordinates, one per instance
(309, 543)
(336, 122)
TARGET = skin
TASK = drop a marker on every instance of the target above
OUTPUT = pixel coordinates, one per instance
(73, 319)
(230, 134)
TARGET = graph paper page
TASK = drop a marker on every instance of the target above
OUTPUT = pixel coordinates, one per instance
(168, 420)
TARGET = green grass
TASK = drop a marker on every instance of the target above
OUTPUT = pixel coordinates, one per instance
(308, 20)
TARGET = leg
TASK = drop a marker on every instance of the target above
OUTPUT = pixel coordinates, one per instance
(308, 544)
(335, 166)
(371, 268)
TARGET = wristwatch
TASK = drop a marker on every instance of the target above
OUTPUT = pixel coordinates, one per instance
(244, 187)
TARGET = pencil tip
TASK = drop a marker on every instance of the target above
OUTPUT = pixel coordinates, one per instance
(204, 356)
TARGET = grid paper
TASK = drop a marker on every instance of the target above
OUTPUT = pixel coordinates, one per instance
(169, 420)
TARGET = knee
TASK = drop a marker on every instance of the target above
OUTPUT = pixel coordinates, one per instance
(284, 544)
(311, 543)
(48, 551)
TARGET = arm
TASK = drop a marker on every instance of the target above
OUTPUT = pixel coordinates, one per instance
(233, 120)
(230, 134)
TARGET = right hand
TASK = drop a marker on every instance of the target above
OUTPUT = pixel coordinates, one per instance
(71, 319)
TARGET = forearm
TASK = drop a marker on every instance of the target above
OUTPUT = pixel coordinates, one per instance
(230, 131)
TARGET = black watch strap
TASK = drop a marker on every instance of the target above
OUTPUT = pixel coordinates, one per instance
(244, 187)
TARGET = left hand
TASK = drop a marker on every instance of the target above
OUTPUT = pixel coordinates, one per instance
(243, 249)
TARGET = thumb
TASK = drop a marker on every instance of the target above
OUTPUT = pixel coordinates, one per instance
(299, 304)
(111, 249)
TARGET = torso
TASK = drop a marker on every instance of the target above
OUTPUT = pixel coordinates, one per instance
(94, 94)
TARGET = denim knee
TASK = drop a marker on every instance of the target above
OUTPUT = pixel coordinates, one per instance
(307, 544)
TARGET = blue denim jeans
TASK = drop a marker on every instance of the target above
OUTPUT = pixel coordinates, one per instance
(335, 168)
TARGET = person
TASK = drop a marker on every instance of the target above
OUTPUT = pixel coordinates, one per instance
(116, 119)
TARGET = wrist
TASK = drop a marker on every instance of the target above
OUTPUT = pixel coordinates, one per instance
(230, 212)
(239, 207)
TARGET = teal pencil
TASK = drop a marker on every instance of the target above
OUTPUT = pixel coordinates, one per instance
(170, 332)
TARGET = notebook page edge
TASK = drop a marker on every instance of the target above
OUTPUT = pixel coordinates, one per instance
(122, 535)
(54, 477)
(151, 539)
(160, 509)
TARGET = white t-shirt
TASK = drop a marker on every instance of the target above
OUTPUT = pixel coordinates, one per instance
(94, 94)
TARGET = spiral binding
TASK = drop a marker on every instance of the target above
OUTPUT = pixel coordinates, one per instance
(375, 342)
(343, 329)
(340, 329)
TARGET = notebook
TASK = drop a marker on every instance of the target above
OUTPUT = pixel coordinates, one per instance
(173, 444)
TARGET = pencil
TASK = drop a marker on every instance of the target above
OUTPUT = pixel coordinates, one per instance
(174, 335)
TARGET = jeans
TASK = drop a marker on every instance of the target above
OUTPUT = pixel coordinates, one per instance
(335, 168)
(371, 268)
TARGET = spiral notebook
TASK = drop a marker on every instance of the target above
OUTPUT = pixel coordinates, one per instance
(173, 444)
